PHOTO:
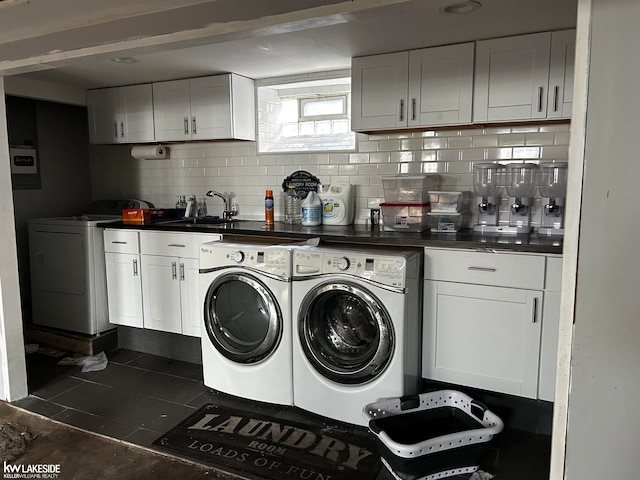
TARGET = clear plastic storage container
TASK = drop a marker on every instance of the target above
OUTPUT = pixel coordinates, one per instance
(445, 221)
(409, 188)
(445, 201)
(405, 217)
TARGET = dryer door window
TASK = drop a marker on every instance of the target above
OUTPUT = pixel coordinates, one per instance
(346, 333)
(242, 318)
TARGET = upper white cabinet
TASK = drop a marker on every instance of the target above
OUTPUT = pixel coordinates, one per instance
(563, 54)
(525, 77)
(427, 87)
(121, 114)
(205, 108)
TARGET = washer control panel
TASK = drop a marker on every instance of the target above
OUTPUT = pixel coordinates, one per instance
(385, 269)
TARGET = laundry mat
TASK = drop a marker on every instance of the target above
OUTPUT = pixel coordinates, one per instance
(273, 448)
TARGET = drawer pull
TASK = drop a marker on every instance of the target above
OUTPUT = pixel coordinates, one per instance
(482, 269)
(176, 245)
(119, 242)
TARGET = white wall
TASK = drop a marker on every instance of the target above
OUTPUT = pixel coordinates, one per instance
(13, 374)
(604, 422)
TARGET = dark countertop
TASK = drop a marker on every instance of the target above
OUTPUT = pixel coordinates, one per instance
(361, 234)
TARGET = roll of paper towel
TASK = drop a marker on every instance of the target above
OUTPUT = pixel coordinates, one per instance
(149, 152)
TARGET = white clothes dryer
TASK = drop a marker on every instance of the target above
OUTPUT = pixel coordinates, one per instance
(245, 292)
(357, 328)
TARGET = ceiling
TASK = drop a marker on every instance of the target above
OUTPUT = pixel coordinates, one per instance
(72, 42)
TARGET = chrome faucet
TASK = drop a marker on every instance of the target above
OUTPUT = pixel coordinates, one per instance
(229, 208)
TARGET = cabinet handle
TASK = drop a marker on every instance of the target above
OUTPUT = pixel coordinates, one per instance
(413, 109)
(115, 129)
(482, 269)
(118, 242)
(182, 272)
(193, 123)
(174, 271)
(540, 93)
(534, 312)
(402, 109)
(122, 129)
(176, 245)
(555, 98)
(135, 268)
(186, 125)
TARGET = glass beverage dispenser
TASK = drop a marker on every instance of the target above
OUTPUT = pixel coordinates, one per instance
(521, 187)
(553, 186)
(487, 185)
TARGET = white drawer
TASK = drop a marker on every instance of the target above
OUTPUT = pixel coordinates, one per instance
(485, 268)
(554, 274)
(174, 244)
(121, 241)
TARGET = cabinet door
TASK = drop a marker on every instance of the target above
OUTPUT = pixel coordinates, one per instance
(549, 346)
(124, 289)
(172, 110)
(102, 110)
(136, 113)
(563, 53)
(190, 297)
(379, 91)
(483, 337)
(161, 293)
(512, 76)
(441, 85)
(211, 107)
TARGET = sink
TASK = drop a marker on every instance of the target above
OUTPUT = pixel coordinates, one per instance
(203, 222)
(198, 221)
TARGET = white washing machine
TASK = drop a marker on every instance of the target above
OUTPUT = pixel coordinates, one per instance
(245, 290)
(357, 328)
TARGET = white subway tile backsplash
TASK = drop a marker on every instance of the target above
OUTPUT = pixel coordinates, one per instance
(459, 142)
(411, 144)
(401, 157)
(513, 140)
(434, 142)
(236, 168)
(545, 138)
(450, 155)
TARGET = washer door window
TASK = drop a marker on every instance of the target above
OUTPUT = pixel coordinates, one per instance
(242, 318)
(346, 333)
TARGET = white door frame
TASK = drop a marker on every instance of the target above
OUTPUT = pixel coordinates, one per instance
(13, 370)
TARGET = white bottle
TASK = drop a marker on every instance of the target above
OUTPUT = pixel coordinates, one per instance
(311, 210)
(337, 205)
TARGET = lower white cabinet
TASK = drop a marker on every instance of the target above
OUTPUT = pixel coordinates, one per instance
(124, 288)
(484, 314)
(169, 269)
(550, 330)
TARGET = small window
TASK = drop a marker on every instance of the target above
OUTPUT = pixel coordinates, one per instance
(305, 116)
(323, 108)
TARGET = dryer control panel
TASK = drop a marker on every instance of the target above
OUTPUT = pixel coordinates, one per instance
(387, 270)
(276, 261)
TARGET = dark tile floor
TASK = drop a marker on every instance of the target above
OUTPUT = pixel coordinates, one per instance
(138, 397)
